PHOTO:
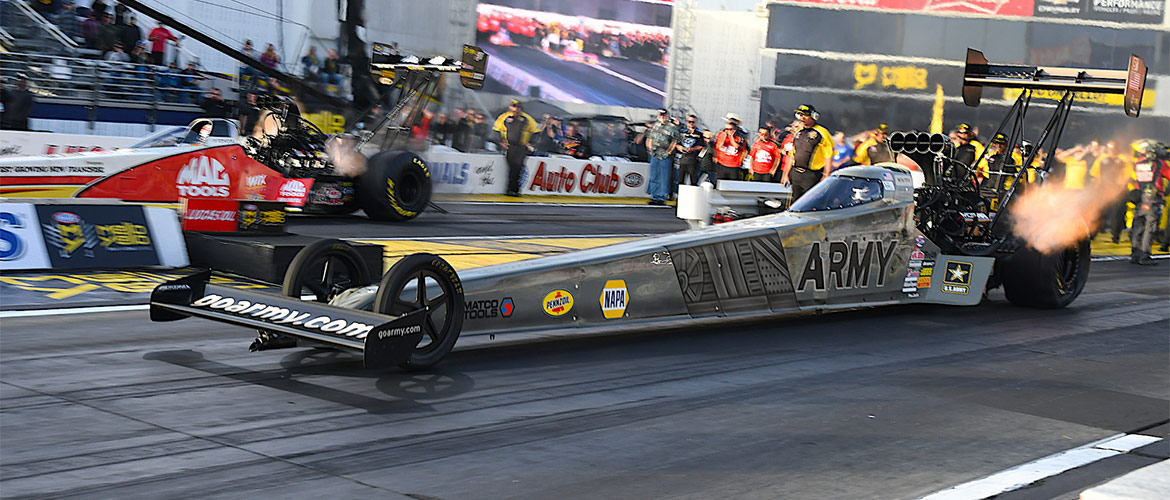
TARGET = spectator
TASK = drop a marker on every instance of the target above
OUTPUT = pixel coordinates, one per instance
(842, 153)
(331, 71)
(730, 148)
(214, 106)
(98, 8)
(18, 103)
(479, 132)
(515, 128)
(190, 83)
(812, 153)
(269, 57)
(765, 156)
(117, 55)
(461, 137)
(91, 30)
(573, 143)
(68, 22)
(661, 140)
(121, 14)
(967, 149)
(158, 43)
(442, 129)
(109, 34)
(549, 138)
(249, 115)
(312, 65)
(1075, 168)
(707, 163)
(690, 145)
(129, 35)
(45, 7)
(1111, 167)
(168, 82)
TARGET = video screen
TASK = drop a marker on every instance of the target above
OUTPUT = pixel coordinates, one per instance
(581, 54)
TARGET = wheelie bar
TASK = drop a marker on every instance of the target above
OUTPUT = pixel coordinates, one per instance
(384, 341)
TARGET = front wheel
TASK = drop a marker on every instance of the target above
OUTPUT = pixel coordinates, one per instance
(1048, 281)
(424, 281)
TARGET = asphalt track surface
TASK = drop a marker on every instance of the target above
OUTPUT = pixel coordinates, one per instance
(585, 83)
(895, 402)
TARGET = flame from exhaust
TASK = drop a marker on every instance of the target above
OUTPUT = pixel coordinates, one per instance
(1050, 218)
(346, 158)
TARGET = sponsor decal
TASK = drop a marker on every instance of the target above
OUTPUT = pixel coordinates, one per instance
(203, 177)
(558, 302)
(88, 236)
(453, 173)
(11, 246)
(210, 215)
(293, 189)
(401, 331)
(614, 299)
(633, 179)
(488, 309)
(592, 179)
(957, 277)
(919, 241)
(290, 191)
(257, 181)
(283, 316)
(846, 265)
(267, 216)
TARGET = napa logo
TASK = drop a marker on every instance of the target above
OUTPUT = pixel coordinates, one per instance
(614, 298)
(558, 303)
(203, 177)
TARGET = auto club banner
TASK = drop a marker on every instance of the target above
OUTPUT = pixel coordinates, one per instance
(89, 236)
(466, 173)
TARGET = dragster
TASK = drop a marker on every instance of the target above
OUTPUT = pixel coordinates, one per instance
(863, 237)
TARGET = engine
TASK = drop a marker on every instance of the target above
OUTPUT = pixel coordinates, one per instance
(950, 209)
(287, 142)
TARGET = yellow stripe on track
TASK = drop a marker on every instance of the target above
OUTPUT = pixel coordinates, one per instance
(469, 254)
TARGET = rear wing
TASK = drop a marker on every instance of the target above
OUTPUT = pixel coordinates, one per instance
(385, 62)
(1130, 82)
(382, 340)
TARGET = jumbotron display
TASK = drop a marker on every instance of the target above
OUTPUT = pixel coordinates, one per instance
(580, 54)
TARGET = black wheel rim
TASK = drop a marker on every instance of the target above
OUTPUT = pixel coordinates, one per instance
(428, 290)
(1070, 267)
(327, 276)
(409, 189)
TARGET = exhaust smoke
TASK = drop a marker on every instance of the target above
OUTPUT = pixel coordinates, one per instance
(1051, 218)
(342, 150)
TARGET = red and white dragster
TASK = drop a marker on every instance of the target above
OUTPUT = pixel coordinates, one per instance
(210, 161)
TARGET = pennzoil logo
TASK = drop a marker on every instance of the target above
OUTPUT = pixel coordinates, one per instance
(558, 303)
(69, 233)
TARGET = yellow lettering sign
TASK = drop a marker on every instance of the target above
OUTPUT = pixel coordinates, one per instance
(863, 75)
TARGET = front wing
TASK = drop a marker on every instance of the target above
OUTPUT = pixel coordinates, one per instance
(382, 340)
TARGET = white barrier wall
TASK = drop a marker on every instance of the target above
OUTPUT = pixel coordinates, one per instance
(41, 143)
(466, 173)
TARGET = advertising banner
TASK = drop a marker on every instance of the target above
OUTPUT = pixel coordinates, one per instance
(53, 236)
(13, 143)
(21, 244)
(987, 7)
(233, 216)
(465, 173)
(1131, 11)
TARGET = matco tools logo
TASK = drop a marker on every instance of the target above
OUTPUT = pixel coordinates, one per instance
(203, 177)
(558, 303)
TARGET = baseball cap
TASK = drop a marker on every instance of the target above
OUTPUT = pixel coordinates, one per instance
(999, 139)
(806, 110)
(663, 111)
(963, 127)
(516, 103)
(731, 116)
(883, 128)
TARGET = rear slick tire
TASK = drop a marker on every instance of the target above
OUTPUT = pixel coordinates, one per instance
(1046, 281)
(396, 186)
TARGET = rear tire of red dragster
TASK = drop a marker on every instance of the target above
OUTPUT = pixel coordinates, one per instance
(396, 186)
(441, 295)
(1047, 281)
